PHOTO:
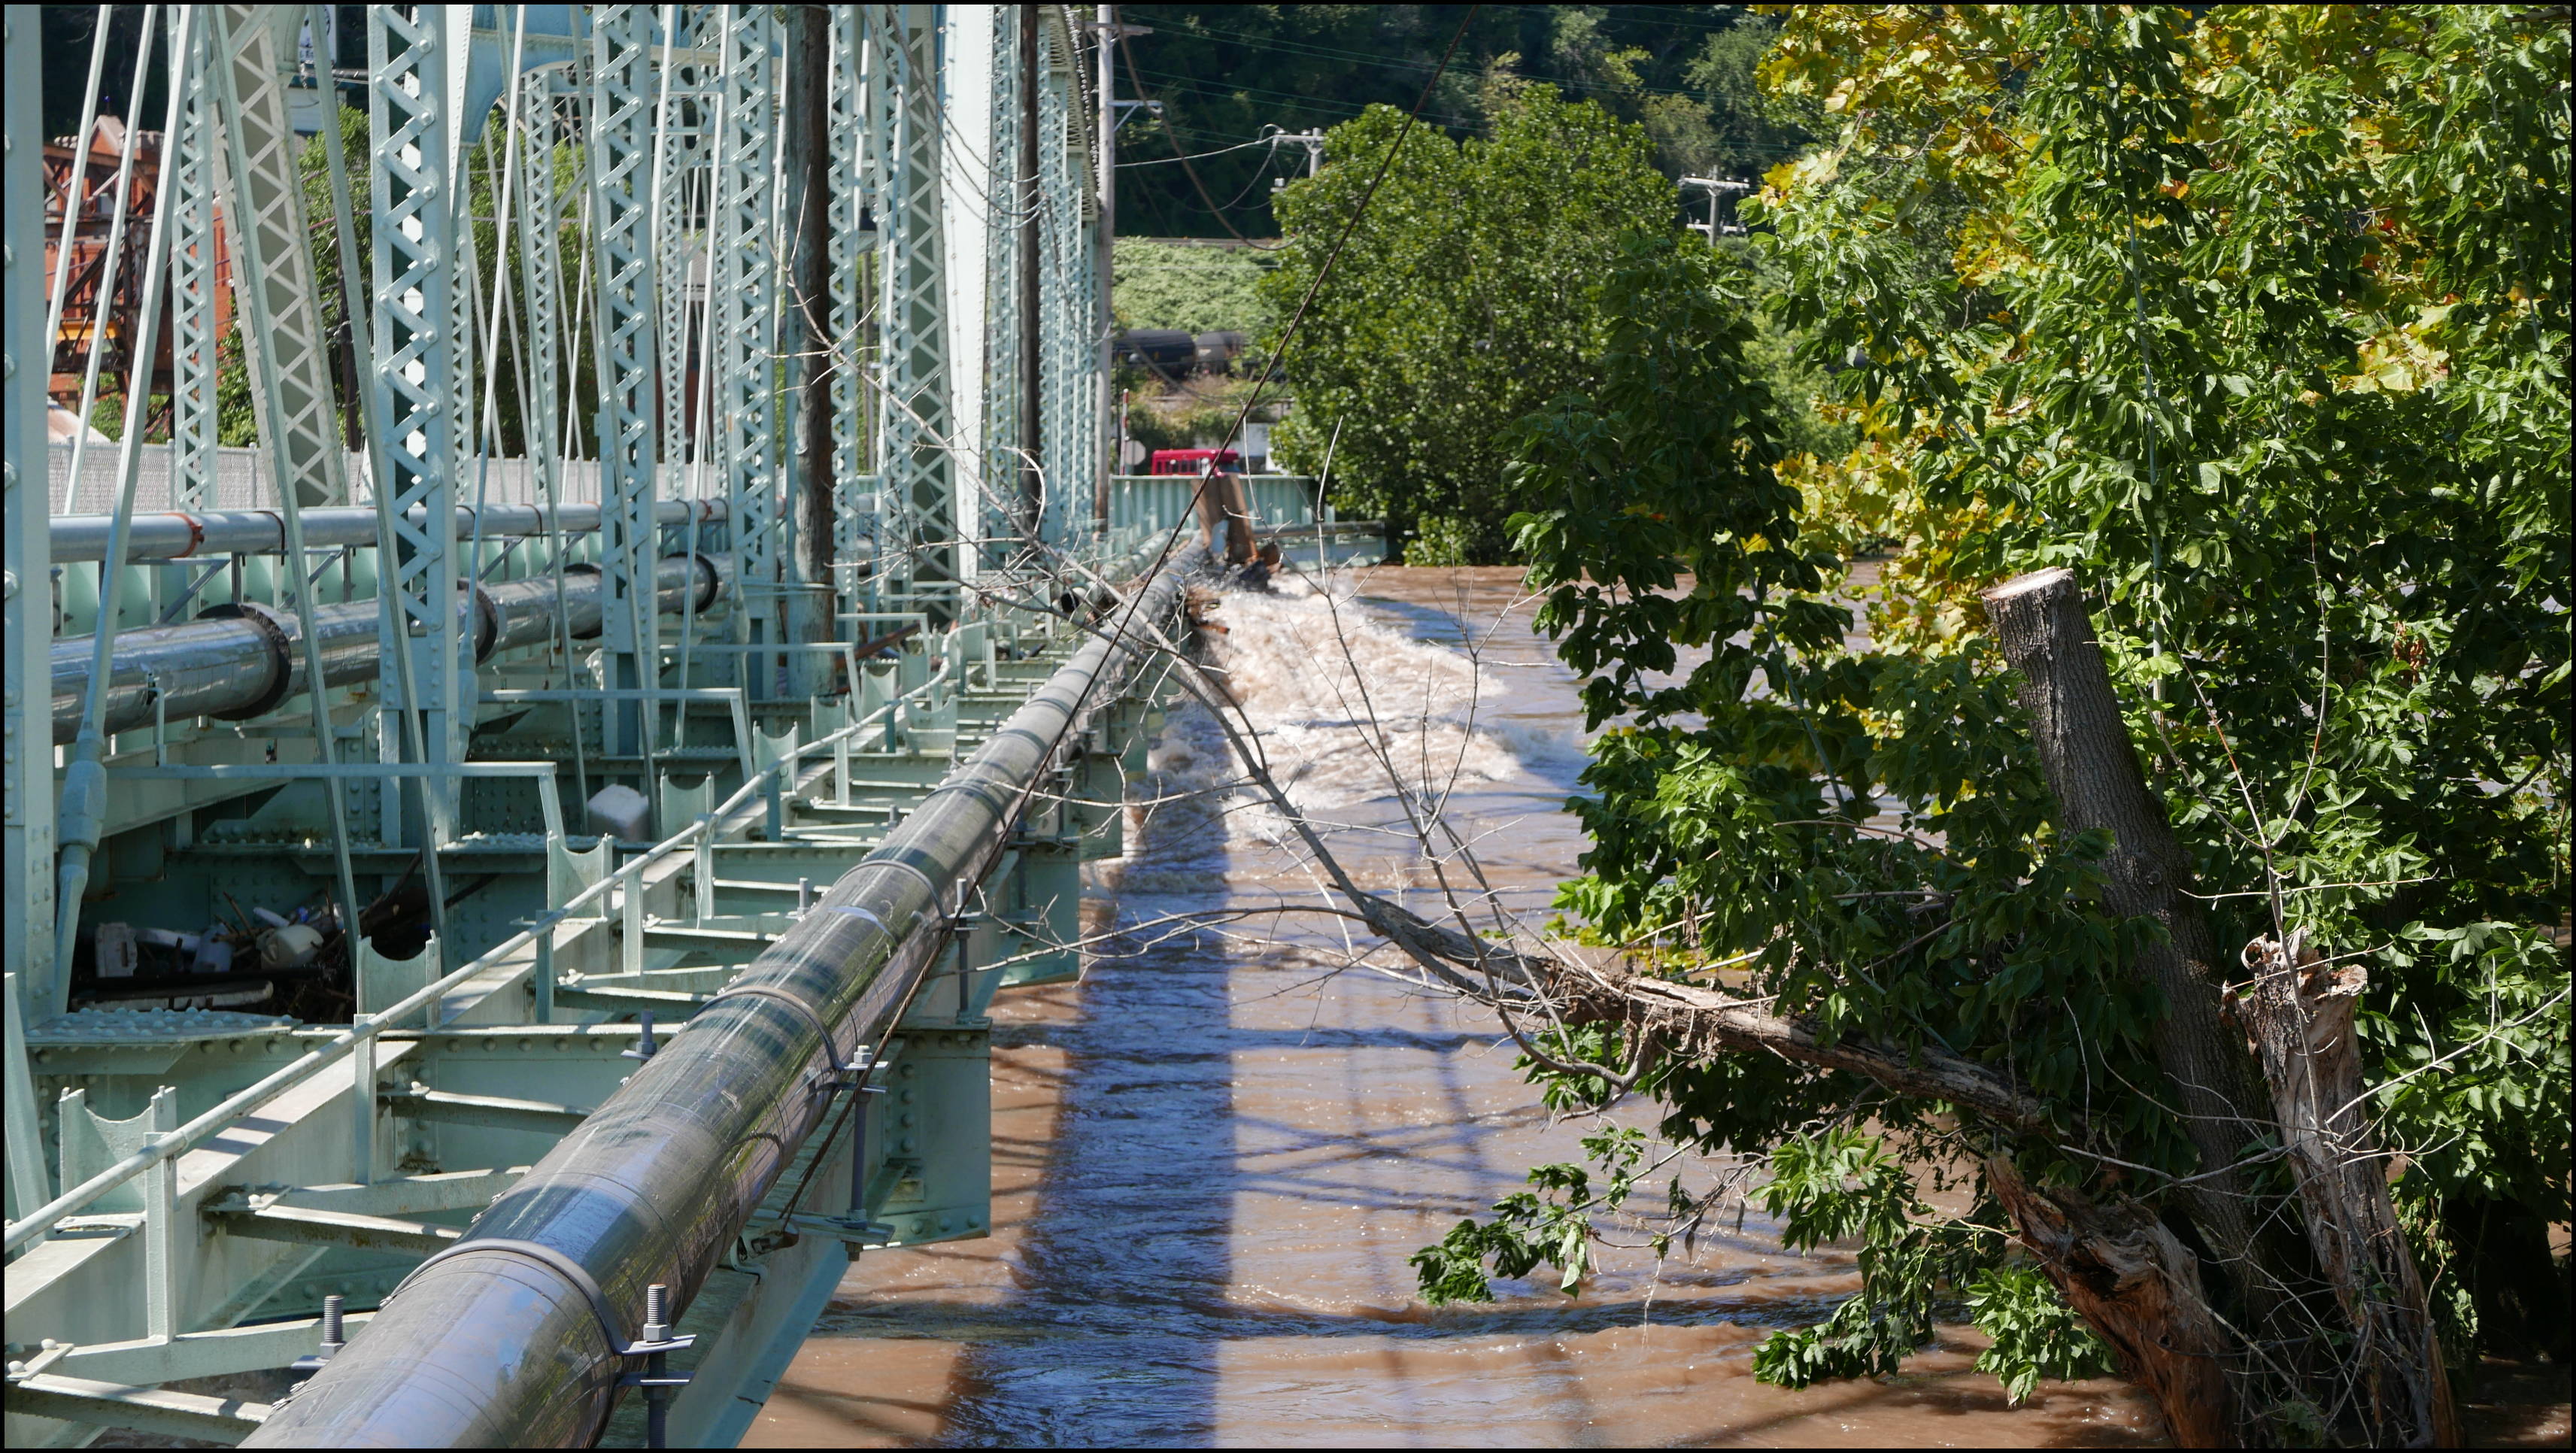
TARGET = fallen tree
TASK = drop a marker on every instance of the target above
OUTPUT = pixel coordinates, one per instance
(2131, 1279)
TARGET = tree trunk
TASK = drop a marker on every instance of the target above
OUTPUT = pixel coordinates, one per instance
(2039, 621)
(2300, 1020)
(2300, 1015)
(2140, 1288)
(1225, 513)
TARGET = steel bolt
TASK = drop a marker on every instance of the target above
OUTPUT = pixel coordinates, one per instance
(333, 1310)
(657, 1395)
(646, 1046)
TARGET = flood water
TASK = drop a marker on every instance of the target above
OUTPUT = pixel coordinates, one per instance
(1213, 1156)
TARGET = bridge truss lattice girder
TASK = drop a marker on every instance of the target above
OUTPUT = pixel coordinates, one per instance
(912, 466)
(413, 379)
(644, 301)
(745, 256)
(196, 178)
(622, 149)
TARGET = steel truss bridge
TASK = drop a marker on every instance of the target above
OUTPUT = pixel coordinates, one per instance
(664, 799)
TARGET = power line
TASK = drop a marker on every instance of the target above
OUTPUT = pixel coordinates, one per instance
(1296, 320)
(1270, 141)
(1328, 52)
(1321, 103)
(1478, 126)
(1173, 133)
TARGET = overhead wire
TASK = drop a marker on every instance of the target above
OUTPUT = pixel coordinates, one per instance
(1296, 320)
(1172, 133)
(1271, 141)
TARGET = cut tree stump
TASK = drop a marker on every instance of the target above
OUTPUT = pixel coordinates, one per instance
(2298, 1011)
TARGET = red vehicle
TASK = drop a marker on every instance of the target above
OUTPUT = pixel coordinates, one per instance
(1192, 461)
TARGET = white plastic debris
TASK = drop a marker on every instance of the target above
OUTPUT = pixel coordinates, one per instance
(621, 812)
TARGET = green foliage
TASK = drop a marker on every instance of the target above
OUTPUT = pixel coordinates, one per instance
(1841, 1186)
(2035, 1333)
(236, 421)
(1195, 289)
(2257, 320)
(2272, 348)
(1224, 72)
(1196, 417)
(1730, 816)
(1551, 1224)
(1463, 300)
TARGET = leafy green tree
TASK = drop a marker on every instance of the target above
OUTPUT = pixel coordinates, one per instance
(1225, 72)
(2258, 320)
(1464, 298)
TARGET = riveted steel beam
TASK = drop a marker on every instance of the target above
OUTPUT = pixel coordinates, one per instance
(413, 376)
(195, 178)
(746, 255)
(915, 443)
(621, 151)
(308, 1226)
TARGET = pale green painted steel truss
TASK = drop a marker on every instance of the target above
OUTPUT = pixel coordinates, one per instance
(571, 219)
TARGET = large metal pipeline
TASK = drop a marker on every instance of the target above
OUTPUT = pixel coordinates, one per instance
(180, 535)
(492, 1344)
(240, 661)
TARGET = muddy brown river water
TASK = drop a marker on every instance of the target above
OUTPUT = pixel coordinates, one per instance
(1213, 1155)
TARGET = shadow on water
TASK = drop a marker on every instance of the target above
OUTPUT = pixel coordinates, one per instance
(1111, 1336)
(1213, 1161)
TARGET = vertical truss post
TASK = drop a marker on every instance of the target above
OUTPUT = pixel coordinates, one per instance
(26, 596)
(621, 155)
(878, 191)
(1004, 238)
(540, 227)
(465, 328)
(918, 471)
(678, 148)
(917, 342)
(745, 243)
(1105, 244)
(965, 60)
(855, 512)
(195, 177)
(1067, 419)
(412, 373)
(273, 265)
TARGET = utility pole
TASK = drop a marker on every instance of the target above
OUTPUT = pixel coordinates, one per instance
(807, 174)
(1712, 187)
(1312, 140)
